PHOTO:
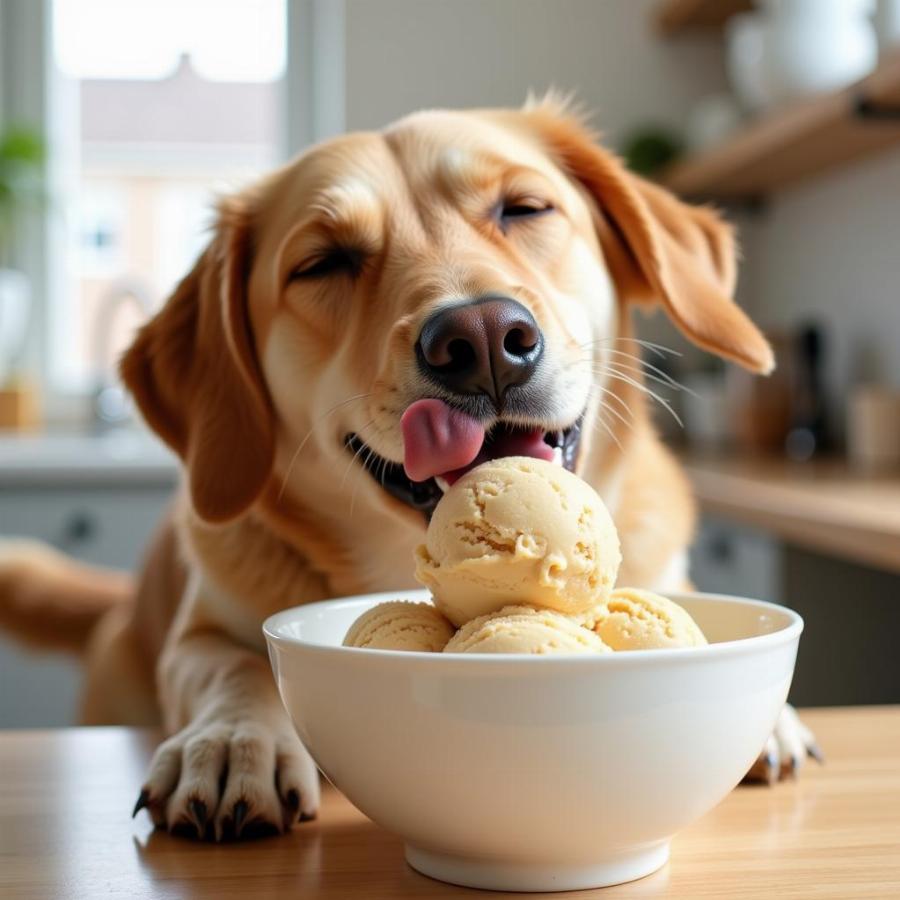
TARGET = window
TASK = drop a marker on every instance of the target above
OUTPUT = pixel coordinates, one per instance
(171, 113)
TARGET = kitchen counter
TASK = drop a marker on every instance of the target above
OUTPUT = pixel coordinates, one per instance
(120, 457)
(823, 506)
(66, 831)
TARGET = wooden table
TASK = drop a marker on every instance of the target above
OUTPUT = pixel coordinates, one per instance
(66, 831)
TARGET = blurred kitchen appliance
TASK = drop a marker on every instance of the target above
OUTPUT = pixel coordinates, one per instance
(759, 409)
(873, 427)
(705, 410)
(808, 433)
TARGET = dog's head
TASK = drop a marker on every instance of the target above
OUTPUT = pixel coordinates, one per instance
(392, 308)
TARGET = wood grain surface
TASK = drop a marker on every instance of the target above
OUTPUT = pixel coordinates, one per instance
(66, 831)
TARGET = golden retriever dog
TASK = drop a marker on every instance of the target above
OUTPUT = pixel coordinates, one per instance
(386, 310)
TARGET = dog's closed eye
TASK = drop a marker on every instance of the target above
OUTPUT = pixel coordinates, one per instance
(334, 261)
(509, 211)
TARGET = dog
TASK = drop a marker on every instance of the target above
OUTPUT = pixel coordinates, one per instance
(486, 259)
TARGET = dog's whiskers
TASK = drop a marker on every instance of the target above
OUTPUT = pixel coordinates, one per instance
(663, 380)
(603, 405)
(642, 367)
(355, 455)
(658, 375)
(659, 349)
(654, 373)
(366, 463)
(296, 455)
(620, 400)
(600, 420)
(617, 375)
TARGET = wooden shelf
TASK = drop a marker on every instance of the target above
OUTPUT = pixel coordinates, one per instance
(797, 142)
(676, 16)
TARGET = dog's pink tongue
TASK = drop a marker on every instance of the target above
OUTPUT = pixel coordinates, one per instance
(437, 439)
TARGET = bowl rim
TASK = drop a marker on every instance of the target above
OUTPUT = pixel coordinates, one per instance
(274, 636)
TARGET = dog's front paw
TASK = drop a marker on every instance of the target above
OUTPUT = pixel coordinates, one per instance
(786, 750)
(230, 780)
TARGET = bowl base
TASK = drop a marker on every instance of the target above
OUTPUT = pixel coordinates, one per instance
(500, 876)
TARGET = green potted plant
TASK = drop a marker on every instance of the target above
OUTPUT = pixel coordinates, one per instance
(21, 188)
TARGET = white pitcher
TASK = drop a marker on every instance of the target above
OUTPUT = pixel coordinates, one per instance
(815, 46)
(795, 48)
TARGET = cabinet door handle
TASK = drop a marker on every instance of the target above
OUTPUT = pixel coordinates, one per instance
(78, 528)
(721, 548)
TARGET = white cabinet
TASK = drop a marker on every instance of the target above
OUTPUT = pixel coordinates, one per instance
(108, 524)
(734, 559)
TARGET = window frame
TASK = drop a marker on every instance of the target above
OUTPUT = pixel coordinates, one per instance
(34, 91)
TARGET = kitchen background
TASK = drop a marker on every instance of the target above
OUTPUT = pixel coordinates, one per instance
(120, 120)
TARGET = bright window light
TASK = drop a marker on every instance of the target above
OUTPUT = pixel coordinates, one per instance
(164, 105)
(227, 40)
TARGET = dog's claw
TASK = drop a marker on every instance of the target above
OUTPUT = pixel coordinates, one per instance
(198, 814)
(773, 769)
(239, 813)
(785, 751)
(260, 829)
(143, 801)
(186, 828)
(307, 817)
(194, 792)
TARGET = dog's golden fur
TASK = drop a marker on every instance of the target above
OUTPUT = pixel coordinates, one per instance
(255, 376)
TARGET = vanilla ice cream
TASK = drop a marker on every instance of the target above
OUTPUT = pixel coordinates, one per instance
(518, 530)
(632, 619)
(400, 625)
(520, 629)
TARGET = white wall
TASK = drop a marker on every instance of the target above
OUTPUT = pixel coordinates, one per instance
(403, 55)
(830, 250)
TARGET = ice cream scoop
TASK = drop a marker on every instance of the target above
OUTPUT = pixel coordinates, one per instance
(400, 625)
(518, 530)
(521, 629)
(632, 619)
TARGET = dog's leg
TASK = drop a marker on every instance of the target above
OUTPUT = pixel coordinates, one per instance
(233, 766)
(786, 750)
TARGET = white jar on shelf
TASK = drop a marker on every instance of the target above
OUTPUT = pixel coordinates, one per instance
(797, 48)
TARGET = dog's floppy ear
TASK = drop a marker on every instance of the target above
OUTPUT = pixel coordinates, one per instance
(194, 374)
(659, 249)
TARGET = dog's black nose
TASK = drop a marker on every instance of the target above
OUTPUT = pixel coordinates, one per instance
(482, 347)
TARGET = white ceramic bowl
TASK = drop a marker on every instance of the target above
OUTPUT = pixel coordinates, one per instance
(528, 773)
